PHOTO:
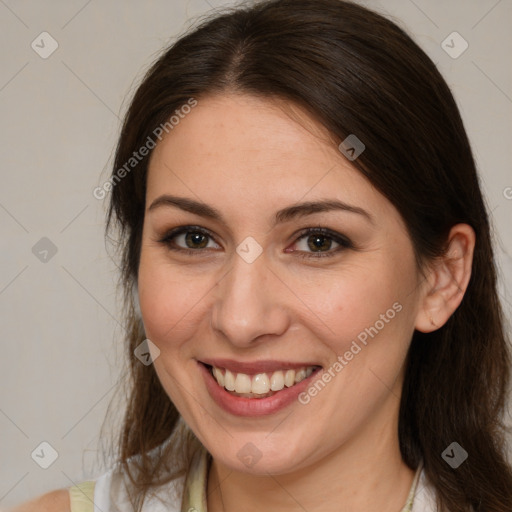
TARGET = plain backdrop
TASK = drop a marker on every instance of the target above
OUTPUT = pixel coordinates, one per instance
(60, 117)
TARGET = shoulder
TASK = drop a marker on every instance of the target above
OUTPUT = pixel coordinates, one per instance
(53, 501)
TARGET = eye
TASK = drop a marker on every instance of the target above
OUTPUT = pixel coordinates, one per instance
(312, 243)
(320, 242)
(189, 239)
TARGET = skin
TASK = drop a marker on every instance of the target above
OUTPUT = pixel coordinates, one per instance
(248, 158)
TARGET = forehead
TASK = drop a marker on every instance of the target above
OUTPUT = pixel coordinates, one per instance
(240, 150)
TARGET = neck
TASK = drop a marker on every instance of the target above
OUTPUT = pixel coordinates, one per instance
(366, 473)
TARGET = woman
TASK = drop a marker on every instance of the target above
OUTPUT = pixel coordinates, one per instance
(308, 267)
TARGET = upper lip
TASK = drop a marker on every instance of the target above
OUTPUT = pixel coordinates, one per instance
(253, 367)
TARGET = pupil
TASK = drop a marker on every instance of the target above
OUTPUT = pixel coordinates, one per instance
(319, 242)
(196, 239)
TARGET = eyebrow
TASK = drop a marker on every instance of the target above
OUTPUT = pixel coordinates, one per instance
(284, 215)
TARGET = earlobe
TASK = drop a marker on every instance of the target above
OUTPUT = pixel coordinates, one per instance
(447, 280)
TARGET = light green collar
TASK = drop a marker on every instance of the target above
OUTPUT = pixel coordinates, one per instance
(196, 482)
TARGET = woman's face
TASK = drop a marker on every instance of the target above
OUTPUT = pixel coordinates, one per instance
(244, 287)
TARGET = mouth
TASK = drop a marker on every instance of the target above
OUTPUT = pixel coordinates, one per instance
(259, 385)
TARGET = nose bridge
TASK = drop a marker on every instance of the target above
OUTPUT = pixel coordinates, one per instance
(247, 304)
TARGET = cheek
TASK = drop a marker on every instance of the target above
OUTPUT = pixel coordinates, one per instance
(170, 304)
(169, 301)
(368, 318)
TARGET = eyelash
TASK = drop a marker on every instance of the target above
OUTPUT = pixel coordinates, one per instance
(344, 243)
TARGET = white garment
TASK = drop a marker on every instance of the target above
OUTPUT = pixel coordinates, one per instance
(425, 495)
(110, 495)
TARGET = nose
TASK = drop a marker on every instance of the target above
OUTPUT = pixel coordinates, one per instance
(250, 303)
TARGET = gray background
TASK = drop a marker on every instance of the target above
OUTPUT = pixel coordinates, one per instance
(60, 116)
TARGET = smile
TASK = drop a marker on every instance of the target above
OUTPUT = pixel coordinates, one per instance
(256, 388)
(260, 385)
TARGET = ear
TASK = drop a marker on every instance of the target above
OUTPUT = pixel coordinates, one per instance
(447, 280)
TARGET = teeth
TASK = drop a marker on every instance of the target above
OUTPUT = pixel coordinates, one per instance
(289, 378)
(218, 375)
(243, 383)
(300, 375)
(261, 383)
(229, 381)
(276, 381)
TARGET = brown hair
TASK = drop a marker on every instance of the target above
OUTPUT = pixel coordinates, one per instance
(355, 72)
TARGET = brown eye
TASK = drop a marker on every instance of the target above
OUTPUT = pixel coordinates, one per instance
(189, 238)
(195, 240)
(320, 242)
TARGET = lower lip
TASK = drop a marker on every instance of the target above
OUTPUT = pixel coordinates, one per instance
(241, 406)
